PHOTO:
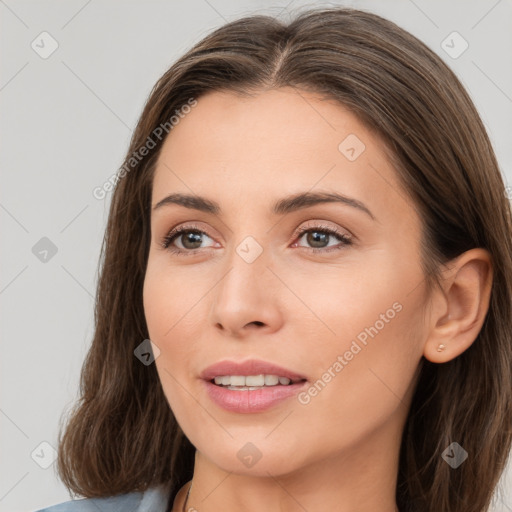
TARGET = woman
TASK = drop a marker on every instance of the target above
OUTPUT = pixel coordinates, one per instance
(305, 299)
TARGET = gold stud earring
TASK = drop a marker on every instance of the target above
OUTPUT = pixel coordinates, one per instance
(441, 347)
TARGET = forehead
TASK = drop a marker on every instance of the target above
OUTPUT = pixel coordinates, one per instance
(254, 148)
(280, 121)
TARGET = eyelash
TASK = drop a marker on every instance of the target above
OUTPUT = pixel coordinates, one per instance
(343, 238)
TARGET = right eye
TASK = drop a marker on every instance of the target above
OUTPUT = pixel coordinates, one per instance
(190, 238)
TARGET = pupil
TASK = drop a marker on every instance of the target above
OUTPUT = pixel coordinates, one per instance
(315, 237)
(192, 237)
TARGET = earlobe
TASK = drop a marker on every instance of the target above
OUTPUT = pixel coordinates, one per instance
(458, 310)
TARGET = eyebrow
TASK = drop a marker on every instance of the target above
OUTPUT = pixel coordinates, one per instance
(282, 206)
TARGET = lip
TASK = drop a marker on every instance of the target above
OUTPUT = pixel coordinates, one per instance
(250, 401)
(249, 367)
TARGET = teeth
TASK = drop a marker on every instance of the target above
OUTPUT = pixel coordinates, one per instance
(271, 380)
(237, 380)
(251, 381)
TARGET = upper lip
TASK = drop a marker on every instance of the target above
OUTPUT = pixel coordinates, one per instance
(248, 367)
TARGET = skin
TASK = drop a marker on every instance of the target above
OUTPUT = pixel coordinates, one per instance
(293, 307)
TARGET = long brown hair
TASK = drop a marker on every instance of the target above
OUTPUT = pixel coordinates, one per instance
(121, 436)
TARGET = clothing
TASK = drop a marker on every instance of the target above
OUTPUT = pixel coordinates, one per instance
(154, 499)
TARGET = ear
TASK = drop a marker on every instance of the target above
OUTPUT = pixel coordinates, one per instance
(458, 309)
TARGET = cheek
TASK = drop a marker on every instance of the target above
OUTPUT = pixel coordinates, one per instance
(365, 372)
(171, 308)
(169, 300)
(337, 302)
(368, 343)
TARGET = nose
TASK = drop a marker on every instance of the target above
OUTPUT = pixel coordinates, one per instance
(246, 298)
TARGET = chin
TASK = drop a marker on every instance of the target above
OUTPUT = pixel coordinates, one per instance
(256, 457)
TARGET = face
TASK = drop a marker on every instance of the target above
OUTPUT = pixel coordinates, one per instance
(331, 292)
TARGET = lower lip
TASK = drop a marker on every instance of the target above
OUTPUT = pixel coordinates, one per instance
(250, 401)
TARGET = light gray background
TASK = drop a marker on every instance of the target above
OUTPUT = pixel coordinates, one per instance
(65, 126)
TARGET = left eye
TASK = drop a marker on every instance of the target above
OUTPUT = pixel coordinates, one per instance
(320, 235)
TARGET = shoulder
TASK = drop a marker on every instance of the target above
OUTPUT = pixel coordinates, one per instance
(154, 499)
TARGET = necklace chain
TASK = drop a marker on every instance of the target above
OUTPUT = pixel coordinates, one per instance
(186, 498)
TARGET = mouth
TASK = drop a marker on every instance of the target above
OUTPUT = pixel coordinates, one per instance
(250, 386)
